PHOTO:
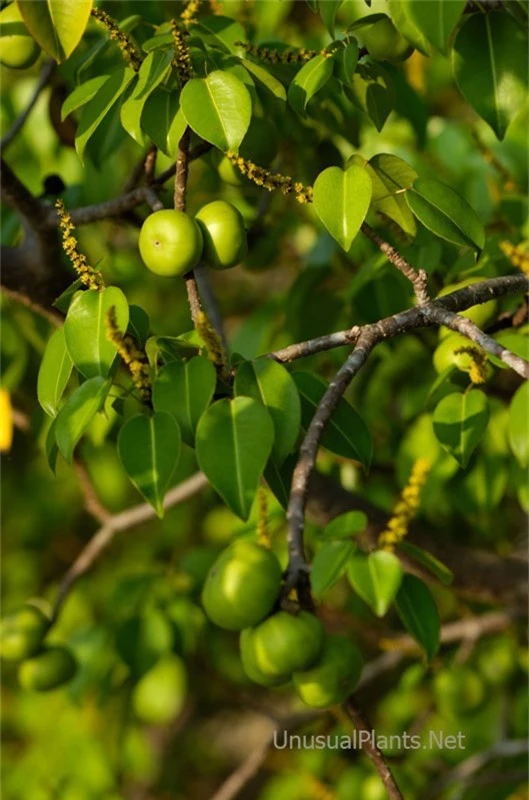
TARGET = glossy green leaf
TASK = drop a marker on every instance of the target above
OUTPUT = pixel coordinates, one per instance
(418, 612)
(279, 478)
(233, 441)
(139, 324)
(153, 70)
(346, 525)
(184, 389)
(56, 25)
(459, 422)
(85, 329)
(519, 425)
(373, 92)
(219, 31)
(54, 373)
(163, 121)
(345, 60)
(390, 175)
(329, 564)
(272, 385)
(310, 79)
(82, 94)
(327, 10)
(432, 564)
(490, 67)
(218, 108)
(100, 105)
(77, 413)
(341, 200)
(265, 79)
(376, 578)
(444, 212)
(436, 19)
(149, 450)
(346, 433)
(401, 14)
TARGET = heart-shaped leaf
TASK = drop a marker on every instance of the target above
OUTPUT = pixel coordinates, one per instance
(233, 441)
(390, 175)
(85, 329)
(310, 79)
(459, 422)
(218, 108)
(372, 90)
(329, 564)
(54, 372)
(149, 449)
(77, 413)
(341, 200)
(376, 578)
(184, 389)
(418, 612)
(57, 25)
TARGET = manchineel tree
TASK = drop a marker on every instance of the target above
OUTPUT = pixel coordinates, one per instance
(263, 276)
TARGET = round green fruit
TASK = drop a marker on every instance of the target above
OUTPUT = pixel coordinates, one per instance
(458, 690)
(18, 49)
(160, 695)
(480, 315)
(385, 43)
(251, 667)
(48, 670)
(224, 235)
(170, 242)
(242, 586)
(22, 632)
(445, 354)
(283, 644)
(333, 677)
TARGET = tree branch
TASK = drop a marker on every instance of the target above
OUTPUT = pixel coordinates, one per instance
(418, 278)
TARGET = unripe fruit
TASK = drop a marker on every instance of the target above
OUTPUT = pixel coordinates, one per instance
(224, 235)
(283, 644)
(160, 695)
(21, 633)
(141, 640)
(250, 665)
(333, 677)
(445, 354)
(48, 670)
(458, 690)
(480, 315)
(18, 49)
(170, 242)
(242, 586)
(385, 43)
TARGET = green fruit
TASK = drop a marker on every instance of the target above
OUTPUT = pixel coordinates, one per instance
(458, 690)
(224, 235)
(160, 695)
(48, 670)
(18, 49)
(242, 586)
(22, 632)
(251, 667)
(283, 644)
(385, 43)
(480, 315)
(333, 677)
(445, 355)
(141, 640)
(170, 242)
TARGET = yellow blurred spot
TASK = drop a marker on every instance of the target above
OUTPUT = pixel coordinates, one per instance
(6, 421)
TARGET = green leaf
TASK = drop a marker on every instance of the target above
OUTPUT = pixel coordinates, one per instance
(279, 478)
(418, 612)
(341, 200)
(329, 564)
(139, 324)
(54, 373)
(77, 413)
(436, 19)
(218, 108)
(490, 67)
(390, 175)
(310, 79)
(265, 78)
(149, 450)
(104, 101)
(436, 567)
(272, 385)
(218, 31)
(328, 9)
(163, 120)
(184, 389)
(376, 578)
(519, 425)
(82, 94)
(401, 14)
(151, 73)
(459, 422)
(346, 525)
(444, 212)
(345, 61)
(56, 25)
(373, 92)
(346, 434)
(85, 329)
(233, 441)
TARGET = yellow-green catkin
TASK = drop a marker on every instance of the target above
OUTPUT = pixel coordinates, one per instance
(189, 14)
(88, 275)
(478, 365)
(290, 56)
(182, 59)
(132, 356)
(269, 180)
(518, 254)
(406, 507)
(213, 343)
(263, 534)
(127, 47)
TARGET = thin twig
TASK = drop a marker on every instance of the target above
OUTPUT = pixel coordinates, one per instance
(92, 502)
(54, 317)
(18, 124)
(180, 188)
(418, 278)
(210, 302)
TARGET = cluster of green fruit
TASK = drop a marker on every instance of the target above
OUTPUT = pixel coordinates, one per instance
(18, 49)
(446, 355)
(41, 667)
(241, 593)
(172, 243)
